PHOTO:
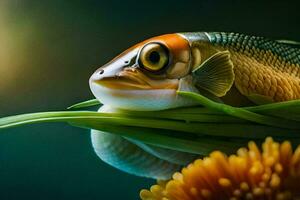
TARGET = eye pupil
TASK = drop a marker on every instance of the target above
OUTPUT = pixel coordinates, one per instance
(154, 57)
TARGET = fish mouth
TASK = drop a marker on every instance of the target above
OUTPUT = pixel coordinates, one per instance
(131, 90)
(134, 79)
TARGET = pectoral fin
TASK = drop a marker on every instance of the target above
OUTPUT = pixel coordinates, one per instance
(216, 74)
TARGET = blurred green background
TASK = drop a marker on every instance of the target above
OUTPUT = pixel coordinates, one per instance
(48, 50)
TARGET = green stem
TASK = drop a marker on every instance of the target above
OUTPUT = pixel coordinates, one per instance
(92, 102)
(214, 129)
(202, 146)
(242, 113)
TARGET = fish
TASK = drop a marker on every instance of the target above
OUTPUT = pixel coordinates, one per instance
(231, 68)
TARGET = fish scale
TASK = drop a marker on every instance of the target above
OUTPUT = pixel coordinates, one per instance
(283, 51)
(261, 66)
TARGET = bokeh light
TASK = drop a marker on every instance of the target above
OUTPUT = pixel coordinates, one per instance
(14, 35)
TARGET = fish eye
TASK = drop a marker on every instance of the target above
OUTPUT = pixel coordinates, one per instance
(154, 57)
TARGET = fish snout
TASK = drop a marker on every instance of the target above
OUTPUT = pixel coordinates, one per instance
(112, 70)
(97, 75)
(108, 71)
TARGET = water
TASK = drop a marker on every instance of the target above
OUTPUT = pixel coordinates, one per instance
(48, 50)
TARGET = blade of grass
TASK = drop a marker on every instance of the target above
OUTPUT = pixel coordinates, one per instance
(84, 104)
(203, 145)
(183, 116)
(287, 110)
(275, 106)
(241, 112)
(248, 130)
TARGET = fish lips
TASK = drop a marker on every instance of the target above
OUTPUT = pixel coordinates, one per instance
(128, 87)
(131, 89)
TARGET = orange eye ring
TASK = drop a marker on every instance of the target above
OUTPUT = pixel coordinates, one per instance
(154, 57)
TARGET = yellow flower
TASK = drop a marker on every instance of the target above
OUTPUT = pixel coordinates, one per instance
(271, 174)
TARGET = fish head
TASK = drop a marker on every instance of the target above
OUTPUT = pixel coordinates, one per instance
(146, 76)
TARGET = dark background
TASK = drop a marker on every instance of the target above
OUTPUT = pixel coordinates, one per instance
(48, 50)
